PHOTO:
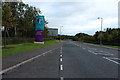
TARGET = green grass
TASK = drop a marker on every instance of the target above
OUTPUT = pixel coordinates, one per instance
(18, 48)
(103, 45)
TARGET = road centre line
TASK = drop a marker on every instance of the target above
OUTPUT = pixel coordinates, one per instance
(61, 59)
(61, 55)
(61, 67)
(61, 49)
(61, 78)
(111, 60)
(21, 63)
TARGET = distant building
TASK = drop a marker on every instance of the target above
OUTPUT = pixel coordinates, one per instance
(11, 0)
(53, 31)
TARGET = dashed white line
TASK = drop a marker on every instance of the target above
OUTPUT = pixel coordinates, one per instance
(61, 78)
(61, 55)
(61, 59)
(61, 67)
(111, 60)
(61, 48)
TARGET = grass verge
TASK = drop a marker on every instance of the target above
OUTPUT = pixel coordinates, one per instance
(18, 48)
(102, 45)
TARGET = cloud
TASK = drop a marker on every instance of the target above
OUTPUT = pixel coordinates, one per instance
(79, 16)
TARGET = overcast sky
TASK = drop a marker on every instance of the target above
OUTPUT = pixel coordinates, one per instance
(78, 15)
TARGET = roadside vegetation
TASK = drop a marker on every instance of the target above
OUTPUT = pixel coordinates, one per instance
(18, 22)
(101, 45)
(110, 37)
(18, 48)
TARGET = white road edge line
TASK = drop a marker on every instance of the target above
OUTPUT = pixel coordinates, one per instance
(61, 67)
(111, 60)
(21, 63)
(61, 78)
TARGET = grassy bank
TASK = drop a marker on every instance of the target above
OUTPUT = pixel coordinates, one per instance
(103, 45)
(18, 48)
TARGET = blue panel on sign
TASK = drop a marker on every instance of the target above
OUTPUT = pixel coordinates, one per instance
(39, 23)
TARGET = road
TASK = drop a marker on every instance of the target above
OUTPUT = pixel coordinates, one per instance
(72, 60)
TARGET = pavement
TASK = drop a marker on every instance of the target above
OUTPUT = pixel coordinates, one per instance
(65, 61)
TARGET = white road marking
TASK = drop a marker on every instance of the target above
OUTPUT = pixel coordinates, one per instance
(61, 48)
(105, 54)
(89, 50)
(111, 60)
(21, 63)
(61, 67)
(61, 78)
(61, 59)
(92, 52)
(83, 48)
(100, 52)
(61, 55)
(114, 58)
(76, 44)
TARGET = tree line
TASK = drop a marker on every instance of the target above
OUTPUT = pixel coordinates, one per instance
(18, 20)
(108, 37)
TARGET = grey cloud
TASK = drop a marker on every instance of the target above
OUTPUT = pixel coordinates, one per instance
(77, 15)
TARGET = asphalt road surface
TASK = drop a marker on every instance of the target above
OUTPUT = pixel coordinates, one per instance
(72, 60)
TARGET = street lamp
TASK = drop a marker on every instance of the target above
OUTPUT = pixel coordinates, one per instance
(60, 32)
(101, 29)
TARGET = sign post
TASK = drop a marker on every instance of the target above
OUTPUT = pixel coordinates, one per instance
(39, 30)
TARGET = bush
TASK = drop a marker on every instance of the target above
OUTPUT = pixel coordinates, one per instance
(19, 40)
(16, 40)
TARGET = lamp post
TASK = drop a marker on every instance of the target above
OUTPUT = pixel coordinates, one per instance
(101, 30)
(60, 32)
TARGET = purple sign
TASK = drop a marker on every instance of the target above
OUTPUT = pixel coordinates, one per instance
(39, 29)
(39, 35)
